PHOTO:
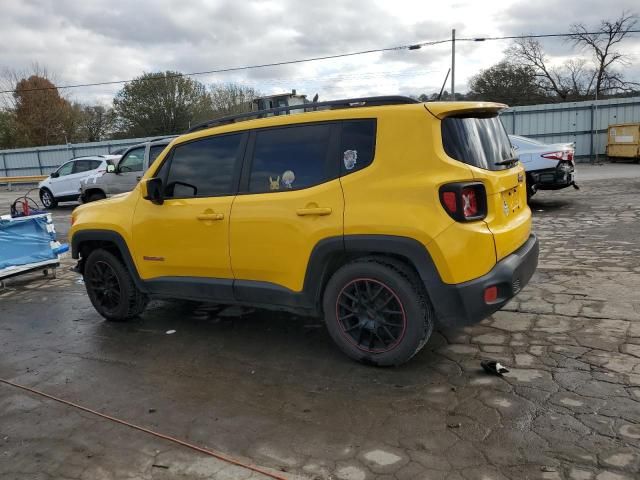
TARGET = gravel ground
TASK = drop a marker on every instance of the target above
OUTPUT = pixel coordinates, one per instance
(272, 389)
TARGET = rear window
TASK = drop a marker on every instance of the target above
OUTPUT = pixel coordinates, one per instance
(480, 141)
(290, 158)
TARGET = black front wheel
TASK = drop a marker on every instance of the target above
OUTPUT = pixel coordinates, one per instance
(377, 311)
(95, 196)
(110, 287)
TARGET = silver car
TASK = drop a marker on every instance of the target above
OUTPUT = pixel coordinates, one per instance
(125, 175)
(547, 166)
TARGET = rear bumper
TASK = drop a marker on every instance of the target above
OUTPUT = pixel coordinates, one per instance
(553, 178)
(464, 304)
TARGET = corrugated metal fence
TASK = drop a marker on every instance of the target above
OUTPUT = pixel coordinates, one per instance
(44, 160)
(584, 123)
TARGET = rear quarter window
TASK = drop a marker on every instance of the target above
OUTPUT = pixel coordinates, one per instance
(357, 145)
(477, 140)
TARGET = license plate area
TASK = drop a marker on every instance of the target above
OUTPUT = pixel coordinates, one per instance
(511, 201)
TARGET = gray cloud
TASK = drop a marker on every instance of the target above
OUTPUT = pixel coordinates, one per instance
(100, 41)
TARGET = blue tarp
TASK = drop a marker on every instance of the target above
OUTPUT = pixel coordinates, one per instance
(25, 240)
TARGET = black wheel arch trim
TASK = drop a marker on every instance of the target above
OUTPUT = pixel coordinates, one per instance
(108, 236)
(451, 302)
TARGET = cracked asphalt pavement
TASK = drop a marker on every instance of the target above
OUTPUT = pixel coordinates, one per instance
(271, 389)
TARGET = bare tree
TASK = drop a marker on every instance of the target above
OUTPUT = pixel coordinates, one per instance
(529, 53)
(601, 44)
(579, 78)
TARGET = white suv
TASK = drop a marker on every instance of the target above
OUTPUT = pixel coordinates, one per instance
(63, 185)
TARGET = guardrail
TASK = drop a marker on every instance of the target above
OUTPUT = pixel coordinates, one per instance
(27, 179)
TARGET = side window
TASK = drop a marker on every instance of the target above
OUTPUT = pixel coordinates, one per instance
(203, 168)
(132, 161)
(66, 169)
(358, 145)
(154, 151)
(290, 158)
(82, 166)
(95, 164)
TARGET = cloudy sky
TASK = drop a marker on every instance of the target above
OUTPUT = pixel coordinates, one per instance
(84, 41)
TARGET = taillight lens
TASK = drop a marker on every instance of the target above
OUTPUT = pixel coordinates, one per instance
(469, 202)
(464, 202)
(566, 155)
(450, 201)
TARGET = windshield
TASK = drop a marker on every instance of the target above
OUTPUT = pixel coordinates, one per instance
(477, 140)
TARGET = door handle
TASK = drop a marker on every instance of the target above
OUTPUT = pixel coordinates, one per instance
(210, 216)
(320, 211)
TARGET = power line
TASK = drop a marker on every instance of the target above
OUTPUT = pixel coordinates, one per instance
(545, 35)
(415, 46)
(246, 67)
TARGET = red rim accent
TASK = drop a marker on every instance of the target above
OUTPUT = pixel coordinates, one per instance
(349, 338)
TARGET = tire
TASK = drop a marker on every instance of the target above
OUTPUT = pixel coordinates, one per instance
(95, 196)
(105, 274)
(531, 191)
(48, 200)
(362, 329)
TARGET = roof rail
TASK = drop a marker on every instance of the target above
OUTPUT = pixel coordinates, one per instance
(331, 105)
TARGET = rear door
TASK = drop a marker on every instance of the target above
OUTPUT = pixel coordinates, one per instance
(290, 199)
(480, 141)
(154, 152)
(129, 172)
(81, 170)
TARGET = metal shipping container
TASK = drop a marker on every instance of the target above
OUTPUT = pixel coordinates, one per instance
(624, 141)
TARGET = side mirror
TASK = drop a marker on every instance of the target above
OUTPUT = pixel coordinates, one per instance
(111, 168)
(55, 175)
(152, 190)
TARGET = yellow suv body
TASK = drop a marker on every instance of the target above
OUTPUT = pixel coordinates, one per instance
(384, 215)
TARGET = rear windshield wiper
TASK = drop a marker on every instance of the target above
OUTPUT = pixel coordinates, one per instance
(507, 161)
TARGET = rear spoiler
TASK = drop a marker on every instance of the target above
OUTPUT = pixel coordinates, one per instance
(445, 109)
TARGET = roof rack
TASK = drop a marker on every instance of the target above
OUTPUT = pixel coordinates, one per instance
(330, 105)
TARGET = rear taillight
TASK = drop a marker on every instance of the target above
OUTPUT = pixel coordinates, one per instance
(464, 202)
(469, 202)
(566, 155)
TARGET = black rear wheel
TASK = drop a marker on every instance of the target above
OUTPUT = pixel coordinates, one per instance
(110, 287)
(47, 199)
(377, 311)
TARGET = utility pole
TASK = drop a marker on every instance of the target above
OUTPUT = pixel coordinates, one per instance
(595, 107)
(453, 64)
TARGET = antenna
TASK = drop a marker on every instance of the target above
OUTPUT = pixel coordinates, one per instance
(443, 84)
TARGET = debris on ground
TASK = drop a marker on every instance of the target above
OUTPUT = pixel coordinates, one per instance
(493, 367)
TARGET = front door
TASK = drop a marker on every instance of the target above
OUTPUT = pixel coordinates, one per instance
(184, 243)
(292, 199)
(61, 184)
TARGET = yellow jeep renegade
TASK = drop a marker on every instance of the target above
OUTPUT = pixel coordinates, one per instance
(384, 215)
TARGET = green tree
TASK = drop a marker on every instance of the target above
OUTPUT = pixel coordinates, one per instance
(508, 83)
(231, 98)
(7, 129)
(96, 123)
(161, 103)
